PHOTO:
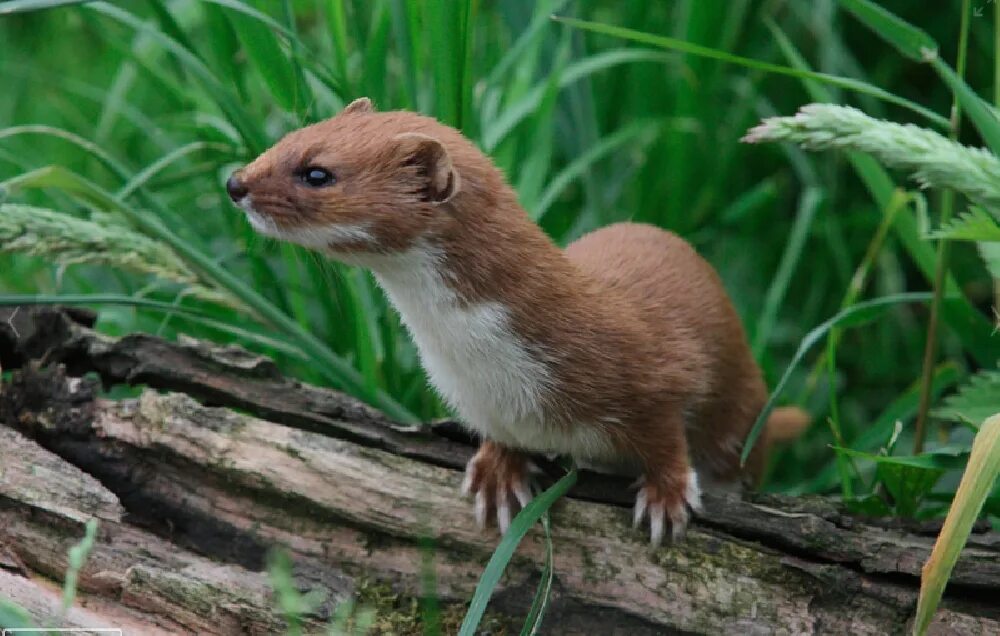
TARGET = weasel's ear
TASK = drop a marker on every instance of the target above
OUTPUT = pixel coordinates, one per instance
(359, 106)
(433, 163)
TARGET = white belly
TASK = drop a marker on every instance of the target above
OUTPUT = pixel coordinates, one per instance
(492, 379)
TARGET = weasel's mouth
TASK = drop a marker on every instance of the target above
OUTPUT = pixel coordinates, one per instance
(328, 237)
(262, 223)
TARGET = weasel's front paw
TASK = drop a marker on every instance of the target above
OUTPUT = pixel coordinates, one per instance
(663, 497)
(500, 480)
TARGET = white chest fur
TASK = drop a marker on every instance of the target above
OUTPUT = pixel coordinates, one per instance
(475, 360)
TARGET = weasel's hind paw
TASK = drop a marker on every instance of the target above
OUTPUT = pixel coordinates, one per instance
(664, 499)
(499, 480)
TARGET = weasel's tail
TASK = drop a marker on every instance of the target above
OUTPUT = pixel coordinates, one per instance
(786, 423)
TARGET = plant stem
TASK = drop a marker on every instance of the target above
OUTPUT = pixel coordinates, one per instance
(941, 268)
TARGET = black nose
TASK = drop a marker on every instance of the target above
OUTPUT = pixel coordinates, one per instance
(236, 189)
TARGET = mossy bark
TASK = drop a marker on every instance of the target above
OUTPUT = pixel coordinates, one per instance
(220, 458)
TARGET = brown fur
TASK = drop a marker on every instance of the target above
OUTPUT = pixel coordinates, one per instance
(634, 326)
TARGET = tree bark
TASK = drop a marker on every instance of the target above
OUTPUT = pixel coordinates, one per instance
(219, 458)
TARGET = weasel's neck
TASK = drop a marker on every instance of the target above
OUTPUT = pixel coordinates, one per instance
(496, 256)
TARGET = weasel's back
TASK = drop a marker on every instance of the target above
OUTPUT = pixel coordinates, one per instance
(661, 274)
(679, 295)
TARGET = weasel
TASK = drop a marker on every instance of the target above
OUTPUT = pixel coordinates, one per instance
(622, 350)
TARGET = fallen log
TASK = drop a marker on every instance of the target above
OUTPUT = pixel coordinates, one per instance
(222, 458)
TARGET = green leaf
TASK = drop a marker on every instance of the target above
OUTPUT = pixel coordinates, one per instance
(505, 550)
(909, 479)
(941, 459)
(852, 316)
(975, 401)
(973, 225)
(908, 39)
(977, 481)
(907, 485)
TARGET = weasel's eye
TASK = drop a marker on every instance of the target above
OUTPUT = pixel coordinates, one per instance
(317, 177)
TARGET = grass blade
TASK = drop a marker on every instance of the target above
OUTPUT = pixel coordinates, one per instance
(810, 201)
(247, 11)
(515, 113)
(90, 147)
(579, 166)
(980, 474)
(24, 6)
(683, 46)
(908, 39)
(168, 309)
(983, 117)
(541, 601)
(77, 558)
(852, 316)
(150, 171)
(505, 550)
(445, 29)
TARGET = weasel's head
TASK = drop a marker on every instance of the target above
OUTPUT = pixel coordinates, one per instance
(360, 182)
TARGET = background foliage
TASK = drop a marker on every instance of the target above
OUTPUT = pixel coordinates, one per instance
(144, 107)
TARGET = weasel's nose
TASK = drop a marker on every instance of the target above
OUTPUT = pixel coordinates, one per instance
(236, 188)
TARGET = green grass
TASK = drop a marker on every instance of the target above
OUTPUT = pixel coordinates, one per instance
(128, 116)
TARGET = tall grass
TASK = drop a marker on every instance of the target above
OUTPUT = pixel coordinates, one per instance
(167, 97)
(125, 118)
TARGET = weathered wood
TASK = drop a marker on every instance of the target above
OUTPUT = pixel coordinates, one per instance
(355, 504)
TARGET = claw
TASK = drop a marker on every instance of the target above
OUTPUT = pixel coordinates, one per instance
(640, 508)
(661, 501)
(692, 493)
(466, 488)
(656, 521)
(523, 493)
(480, 509)
(503, 517)
(503, 508)
(678, 523)
(501, 485)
